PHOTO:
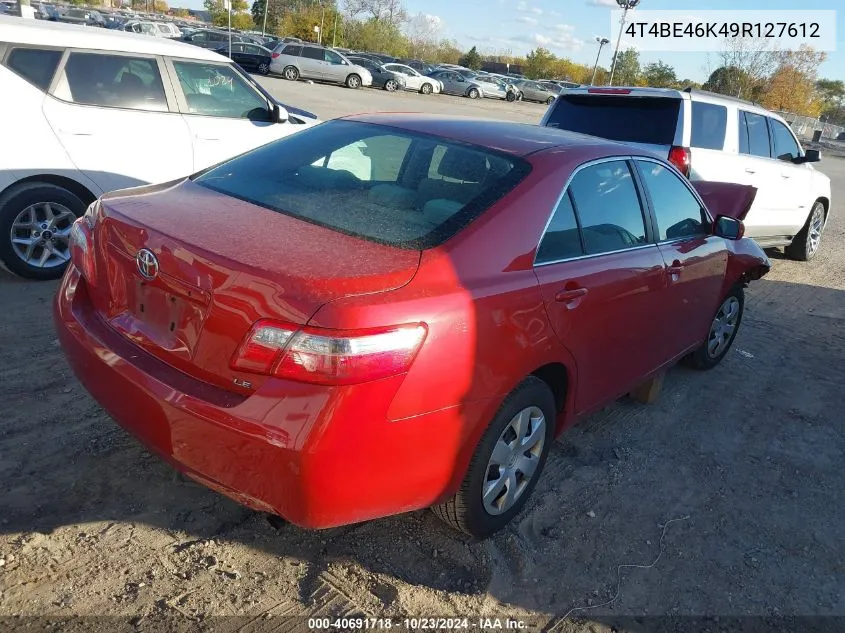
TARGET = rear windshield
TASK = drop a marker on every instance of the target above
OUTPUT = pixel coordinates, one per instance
(375, 182)
(628, 119)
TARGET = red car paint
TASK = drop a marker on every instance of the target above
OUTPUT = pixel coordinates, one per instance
(326, 455)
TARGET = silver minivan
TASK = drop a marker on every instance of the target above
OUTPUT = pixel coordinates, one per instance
(311, 61)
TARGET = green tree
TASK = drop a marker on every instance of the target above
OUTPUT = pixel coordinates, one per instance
(540, 64)
(377, 36)
(627, 72)
(220, 16)
(726, 80)
(659, 75)
(471, 60)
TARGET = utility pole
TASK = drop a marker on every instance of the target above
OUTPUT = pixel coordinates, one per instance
(264, 28)
(322, 20)
(626, 5)
(602, 41)
(334, 31)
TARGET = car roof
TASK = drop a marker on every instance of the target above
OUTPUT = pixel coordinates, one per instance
(519, 139)
(14, 30)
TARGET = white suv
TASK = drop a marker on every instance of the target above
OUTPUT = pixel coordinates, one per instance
(86, 111)
(713, 137)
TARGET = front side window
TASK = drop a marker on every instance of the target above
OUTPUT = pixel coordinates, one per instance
(677, 210)
(113, 81)
(218, 90)
(333, 58)
(202, 36)
(562, 239)
(754, 135)
(709, 125)
(370, 181)
(608, 207)
(786, 147)
(35, 65)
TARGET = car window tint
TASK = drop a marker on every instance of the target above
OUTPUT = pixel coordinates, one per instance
(35, 65)
(218, 90)
(312, 53)
(115, 81)
(709, 124)
(608, 207)
(163, 28)
(757, 131)
(786, 147)
(351, 177)
(562, 238)
(677, 210)
(619, 118)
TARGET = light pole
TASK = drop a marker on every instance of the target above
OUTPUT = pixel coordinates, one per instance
(264, 28)
(602, 41)
(626, 5)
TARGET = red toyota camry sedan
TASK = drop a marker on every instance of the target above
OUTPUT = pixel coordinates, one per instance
(390, 312)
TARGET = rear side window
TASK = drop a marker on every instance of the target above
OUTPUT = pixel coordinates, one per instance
(113, 81)
(619, 118)
(709, 123)
(562, 239)
(313, 53)
(372, 182)
(678, 212)
(753, 135)
(608, 207)
(292, 49)
(35, 65)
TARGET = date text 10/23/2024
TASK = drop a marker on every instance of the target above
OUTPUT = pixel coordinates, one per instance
(416, 624)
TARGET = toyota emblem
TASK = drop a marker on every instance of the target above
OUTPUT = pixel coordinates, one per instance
(147, 264)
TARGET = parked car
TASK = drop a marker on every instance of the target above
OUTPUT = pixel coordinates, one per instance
(370, 317)
(122, 111)
(713, 137)
(85, 17)
(311, 61)
(249, 56)
(420, 66)
(382, 77)
(495, 88)
(414, 80)
(535, 91)
(207, 38)
(453, 83)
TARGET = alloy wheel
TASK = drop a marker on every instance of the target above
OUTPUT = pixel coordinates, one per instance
(263, 69)
(814, 233)
(390, 86)
(723, 327)
(40, 234)
(514, 460)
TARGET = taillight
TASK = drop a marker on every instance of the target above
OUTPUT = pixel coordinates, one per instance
(680, 158)
(328, 357)
(609, 91)
(81, 245)
(275, 55)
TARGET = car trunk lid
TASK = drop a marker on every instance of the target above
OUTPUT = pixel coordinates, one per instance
(223, 264)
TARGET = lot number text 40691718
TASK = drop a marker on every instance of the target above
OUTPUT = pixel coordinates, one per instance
(416, 624)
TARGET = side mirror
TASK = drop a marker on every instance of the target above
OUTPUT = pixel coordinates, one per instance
(279, 114)
(810, 156)
(729, 228)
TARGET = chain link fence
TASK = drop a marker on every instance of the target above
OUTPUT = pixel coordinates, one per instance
(805, 127)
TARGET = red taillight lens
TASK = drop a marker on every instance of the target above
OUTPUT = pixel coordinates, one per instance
(328, 357)
(680, 158)
(81, 246)
(275, 55)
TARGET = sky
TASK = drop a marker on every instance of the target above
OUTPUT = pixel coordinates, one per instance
(569, 27)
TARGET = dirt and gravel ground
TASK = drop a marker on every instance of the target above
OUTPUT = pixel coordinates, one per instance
(733, 483)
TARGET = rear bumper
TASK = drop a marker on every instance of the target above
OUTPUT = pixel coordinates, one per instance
(317, 456)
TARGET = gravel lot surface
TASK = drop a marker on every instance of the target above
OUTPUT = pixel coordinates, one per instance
(733, 483)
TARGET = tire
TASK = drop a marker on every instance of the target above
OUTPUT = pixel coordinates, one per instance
(705, 357)
(473, 93)
(264, 69)
(426, 89)
(550, 101)
(290, 73)
(29, 203)
(390, 85)
(467, 511)
(520, 97)
(806, 244)
(353, 81)
(511, 96)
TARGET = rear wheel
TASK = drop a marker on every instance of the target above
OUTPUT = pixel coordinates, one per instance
(353, 81)
(290, 73)
(390, 85)
(264, 68)
(35, 223)
(473, 93)
(550, 101)
(511, 96)
(506, 464)
(806, 244)
(722, 332)
(426, 89)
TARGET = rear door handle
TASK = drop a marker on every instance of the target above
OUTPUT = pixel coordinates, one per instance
(675, 270)
(785, 176)
(570, 295)
(748, 170)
